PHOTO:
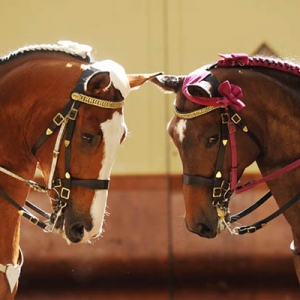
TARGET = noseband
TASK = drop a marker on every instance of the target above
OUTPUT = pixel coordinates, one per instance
(222, 188)
(65, 121)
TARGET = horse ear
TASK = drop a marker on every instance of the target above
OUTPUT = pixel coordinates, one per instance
(200, 89)
(169, 83)
(97, 82)
(136, 80)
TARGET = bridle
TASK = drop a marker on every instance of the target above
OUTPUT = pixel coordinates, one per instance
(226, 101)
(65, 122)
(223, 188)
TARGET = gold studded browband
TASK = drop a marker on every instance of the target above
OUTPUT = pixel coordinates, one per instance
(195, 113)
(96, 102)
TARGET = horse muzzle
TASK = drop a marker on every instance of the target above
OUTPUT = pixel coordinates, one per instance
(209, 228)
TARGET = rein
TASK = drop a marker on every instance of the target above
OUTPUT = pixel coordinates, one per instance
(226, 99)
(65, 121)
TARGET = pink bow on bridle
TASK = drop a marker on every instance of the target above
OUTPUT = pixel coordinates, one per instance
(233, 59)
(231, 95)
(230, 92)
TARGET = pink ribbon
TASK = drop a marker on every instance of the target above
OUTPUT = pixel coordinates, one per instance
(233, 59)
(231, 93)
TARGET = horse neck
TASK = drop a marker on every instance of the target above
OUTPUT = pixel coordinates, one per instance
(272, 109)
(42, 78)
(272, 113)
(50, 79)
(9, 230)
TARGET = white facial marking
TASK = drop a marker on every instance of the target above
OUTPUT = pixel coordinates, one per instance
(113, 131)
(180, 129)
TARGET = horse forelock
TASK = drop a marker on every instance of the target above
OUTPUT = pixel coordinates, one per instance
(76, 50)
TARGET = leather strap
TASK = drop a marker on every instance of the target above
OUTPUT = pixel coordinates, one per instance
(23, 211)
(196, 180)
(258, 225)
(94, 184)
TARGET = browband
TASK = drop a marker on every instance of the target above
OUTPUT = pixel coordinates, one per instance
(96, 102)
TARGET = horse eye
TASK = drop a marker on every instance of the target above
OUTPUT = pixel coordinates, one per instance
(87, 137)
(212, 140)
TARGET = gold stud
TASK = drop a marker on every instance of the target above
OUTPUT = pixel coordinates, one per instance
(49, 131)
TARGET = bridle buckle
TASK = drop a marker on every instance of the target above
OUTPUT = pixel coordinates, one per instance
(65, 193)
(236, 118)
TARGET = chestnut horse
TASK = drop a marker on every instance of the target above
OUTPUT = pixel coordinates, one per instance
(227, 115)
(64, 113)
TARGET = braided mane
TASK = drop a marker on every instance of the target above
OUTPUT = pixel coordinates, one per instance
(74, 49)
(241, 59)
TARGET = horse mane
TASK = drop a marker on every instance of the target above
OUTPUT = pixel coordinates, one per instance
(243, 60)
(71, 48)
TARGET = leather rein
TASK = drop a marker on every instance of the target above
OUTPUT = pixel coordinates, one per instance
(65, 121)
(223, 189)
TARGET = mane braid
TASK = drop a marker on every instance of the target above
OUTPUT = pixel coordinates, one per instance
(259, 61)
(47, 48)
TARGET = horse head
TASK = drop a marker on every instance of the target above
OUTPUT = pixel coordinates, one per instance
(81, 176)
(86, 135)
(238, 110)
(206, 154)
(81, 102)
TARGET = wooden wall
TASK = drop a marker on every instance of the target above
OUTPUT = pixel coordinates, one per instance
(173, 36)
(146, 243)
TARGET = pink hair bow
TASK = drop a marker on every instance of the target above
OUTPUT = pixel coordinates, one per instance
(231, 93)
(233, 59)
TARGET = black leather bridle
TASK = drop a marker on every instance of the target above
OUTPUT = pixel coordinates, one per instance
(65, 121)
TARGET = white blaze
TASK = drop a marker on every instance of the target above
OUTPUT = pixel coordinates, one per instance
(180, 129)
(113, 131)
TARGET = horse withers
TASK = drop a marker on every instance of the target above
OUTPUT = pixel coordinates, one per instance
(62, 112)
(227, 115)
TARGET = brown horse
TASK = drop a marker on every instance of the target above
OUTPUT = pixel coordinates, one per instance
(63, 112)
(227, 115)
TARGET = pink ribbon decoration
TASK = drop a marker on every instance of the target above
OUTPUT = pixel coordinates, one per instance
(230, 92)
(193, 78)
(233, 59)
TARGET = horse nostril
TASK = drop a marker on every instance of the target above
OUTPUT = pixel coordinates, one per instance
(202, 229)
(76, 233)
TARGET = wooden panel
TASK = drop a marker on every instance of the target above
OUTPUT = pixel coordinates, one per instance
(145, 236)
